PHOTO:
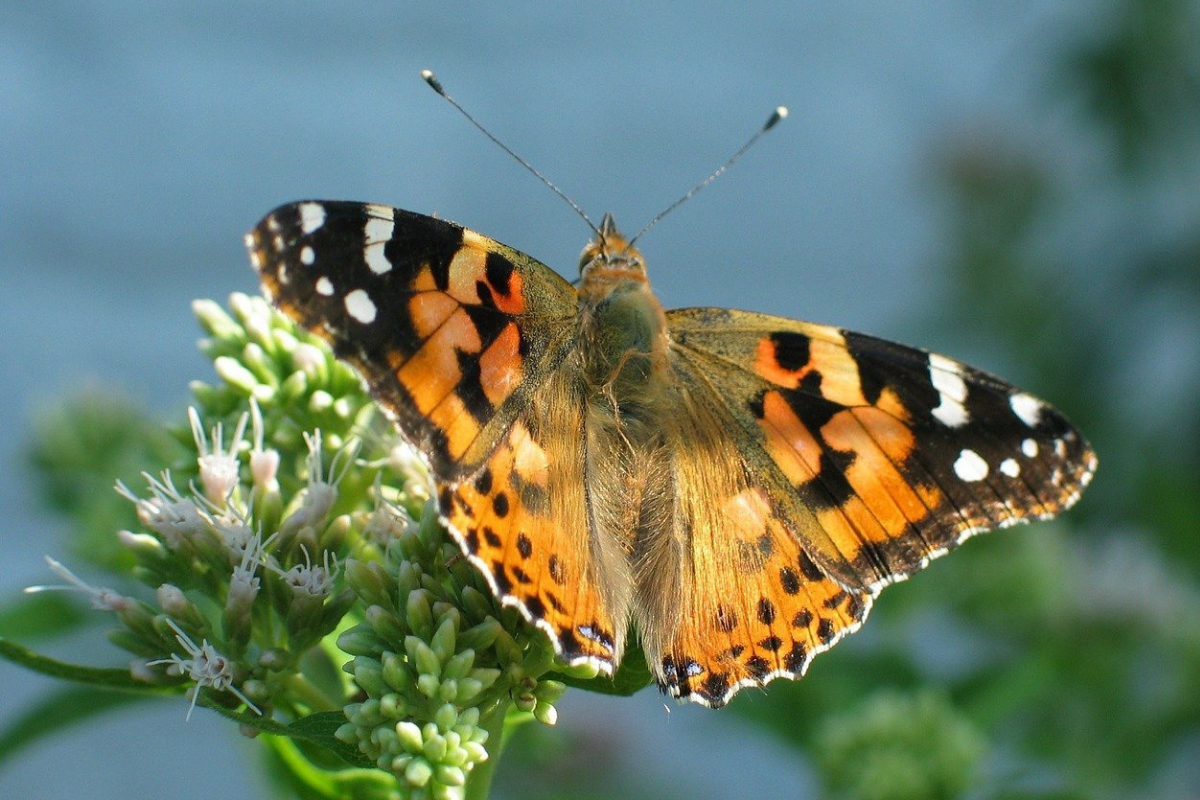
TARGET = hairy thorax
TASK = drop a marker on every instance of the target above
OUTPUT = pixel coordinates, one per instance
(624, 332)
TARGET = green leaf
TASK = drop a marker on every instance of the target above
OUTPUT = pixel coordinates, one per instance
(316, 728)
(632, 676)
(67, 706)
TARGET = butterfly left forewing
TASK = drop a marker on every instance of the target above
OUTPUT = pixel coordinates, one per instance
(452, 331)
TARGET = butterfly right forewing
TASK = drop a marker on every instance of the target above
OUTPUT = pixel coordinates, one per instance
(890, 455)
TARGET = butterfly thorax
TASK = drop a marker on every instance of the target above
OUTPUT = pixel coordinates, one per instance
(623, 328)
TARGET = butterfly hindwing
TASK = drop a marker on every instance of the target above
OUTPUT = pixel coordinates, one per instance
(892, 454)
(742, 603)
(523, 519)
(451, 330)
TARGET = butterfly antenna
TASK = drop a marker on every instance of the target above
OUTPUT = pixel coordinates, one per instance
(779, 114)
(436, 85)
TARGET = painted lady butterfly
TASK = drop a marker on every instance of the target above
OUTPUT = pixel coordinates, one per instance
(739, 486)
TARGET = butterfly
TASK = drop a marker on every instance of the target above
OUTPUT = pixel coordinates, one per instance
(734, 487)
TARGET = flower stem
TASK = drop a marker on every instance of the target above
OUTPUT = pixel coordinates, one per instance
(479, 780)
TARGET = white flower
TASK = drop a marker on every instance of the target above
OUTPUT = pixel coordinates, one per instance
(169, 514)
(264, 462)
(244, 583)
(388, 521)
(206, 667)
(322, 490)
(305, 579)
(101, 598)
(218, 467)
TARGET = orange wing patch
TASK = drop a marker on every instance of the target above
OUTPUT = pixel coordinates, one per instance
(878, 503)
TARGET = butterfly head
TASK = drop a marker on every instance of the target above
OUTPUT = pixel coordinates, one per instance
(610, 257)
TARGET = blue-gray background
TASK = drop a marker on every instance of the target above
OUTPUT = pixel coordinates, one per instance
(139, 140)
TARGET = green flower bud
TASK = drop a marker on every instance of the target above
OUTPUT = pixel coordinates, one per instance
(442, 642)
(428, 685)
(418, 772)
(422, 656)
(397, 673)
(360, 641)
(459, 665)
(410, 736)
(347, 733)
(545, 713)
(435, 749)
(215, 321)
(418, 614)
(372, 583)
(449, 776)
(294, 386)
(385, 624)
(368, 673)
(393, 706)
(236, 375)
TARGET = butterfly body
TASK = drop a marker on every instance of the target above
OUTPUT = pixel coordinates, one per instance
(734, 487)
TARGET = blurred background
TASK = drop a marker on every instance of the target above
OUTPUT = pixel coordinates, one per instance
(1011, 183)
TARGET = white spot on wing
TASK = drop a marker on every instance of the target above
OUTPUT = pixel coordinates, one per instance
(1029, 447)
(952, 389)
(324, 286)
(1010, 467)
(970, 467)
(378, 232)
(359, 306)
(1027, 408)
(312, 216)
(307, 256)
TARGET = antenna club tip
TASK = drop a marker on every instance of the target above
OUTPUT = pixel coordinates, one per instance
(778, 115)
(428, 76)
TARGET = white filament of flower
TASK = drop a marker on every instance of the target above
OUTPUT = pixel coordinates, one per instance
(101, 598)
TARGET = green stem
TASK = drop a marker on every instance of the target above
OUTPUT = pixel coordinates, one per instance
(479, 780)
(310, 695)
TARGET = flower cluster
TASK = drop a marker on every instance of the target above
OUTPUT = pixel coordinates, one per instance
(297, 538)
(254, 600)
(432, 647)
